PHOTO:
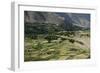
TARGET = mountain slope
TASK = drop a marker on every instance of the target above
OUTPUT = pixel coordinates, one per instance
(66, 21)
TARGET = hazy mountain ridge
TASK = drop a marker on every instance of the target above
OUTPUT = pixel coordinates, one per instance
(42, 17)
(66, 20)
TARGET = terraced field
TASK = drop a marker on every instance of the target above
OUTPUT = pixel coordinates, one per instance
(63, 48)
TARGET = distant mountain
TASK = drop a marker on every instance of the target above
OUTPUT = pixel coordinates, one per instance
(81, 20)
(67, 21)
(42, 17)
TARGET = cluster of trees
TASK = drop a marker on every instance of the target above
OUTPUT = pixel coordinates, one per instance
(51, 37)
(49, 31)
(41, 28)
(66, 33)
(48, 28)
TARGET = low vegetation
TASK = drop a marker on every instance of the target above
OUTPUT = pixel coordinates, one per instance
(59, 45)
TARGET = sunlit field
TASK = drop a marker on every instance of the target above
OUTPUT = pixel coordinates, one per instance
(56, 36)
(58, 47)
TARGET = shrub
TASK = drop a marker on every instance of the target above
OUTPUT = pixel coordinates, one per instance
(50, 38)
(71, 40)
(80, 42)
(73, 49)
